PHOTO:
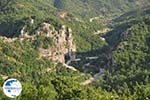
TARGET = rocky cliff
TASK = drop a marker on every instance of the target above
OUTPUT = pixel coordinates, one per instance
(63, 42)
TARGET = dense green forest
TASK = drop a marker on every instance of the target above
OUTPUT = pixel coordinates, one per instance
(129, 75)
(122, 51)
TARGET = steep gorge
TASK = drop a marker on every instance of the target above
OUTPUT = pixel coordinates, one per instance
(62, 41)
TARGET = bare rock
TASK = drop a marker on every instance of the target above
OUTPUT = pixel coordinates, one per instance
(63, 42)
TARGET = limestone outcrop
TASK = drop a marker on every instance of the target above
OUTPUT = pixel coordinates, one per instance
(63, 42)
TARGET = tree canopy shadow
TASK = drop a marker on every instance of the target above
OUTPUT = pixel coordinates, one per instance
(91, 61)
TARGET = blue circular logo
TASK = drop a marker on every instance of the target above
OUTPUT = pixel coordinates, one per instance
(12, 88)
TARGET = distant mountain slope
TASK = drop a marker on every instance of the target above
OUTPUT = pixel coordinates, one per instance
(96, 7)
(28, 15)
(80, 7)
(16, 13)
(126, 17)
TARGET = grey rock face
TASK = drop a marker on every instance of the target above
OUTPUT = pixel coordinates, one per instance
(63, 42)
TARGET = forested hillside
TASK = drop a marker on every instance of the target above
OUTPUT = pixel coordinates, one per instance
(102, 7)
(76, 49)
(130, 73)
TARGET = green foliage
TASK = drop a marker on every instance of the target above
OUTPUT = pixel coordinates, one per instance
(42, 41)
(127, 79)
(18, 14)
(84, 35)
(19, 59)
(130, 73)
(88, 8)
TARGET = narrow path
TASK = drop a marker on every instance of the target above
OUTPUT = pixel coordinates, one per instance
(94, 78)
(90, 80)
(70, 67)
